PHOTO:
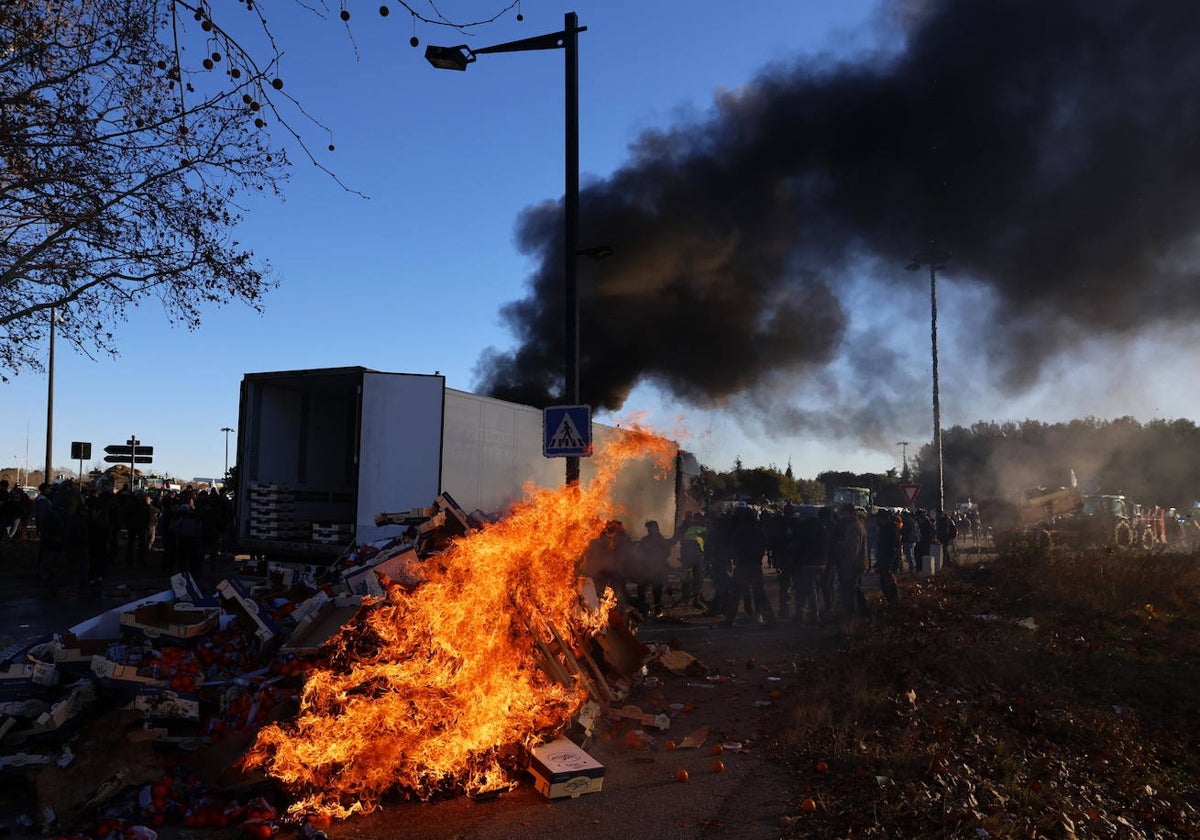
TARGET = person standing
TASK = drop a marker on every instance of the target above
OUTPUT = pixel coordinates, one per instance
(652, 552)
(166, 523)
(910, 533)
(187, 531)
(888, 554)
(607, 560)
(73, 515)
(947, 533)
(749, 548)
(926, 535)
(153, 513)
(48, 521)
(137, 527)
(778, 528)
(852, 559)
(691, 556)
(809, 556)
(98, 512)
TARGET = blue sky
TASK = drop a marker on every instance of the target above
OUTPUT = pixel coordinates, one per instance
(411, 278)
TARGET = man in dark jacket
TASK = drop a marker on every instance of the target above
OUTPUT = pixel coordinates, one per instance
(888, 554)
(749, 547)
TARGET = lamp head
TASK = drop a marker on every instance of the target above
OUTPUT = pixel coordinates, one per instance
(449, 58)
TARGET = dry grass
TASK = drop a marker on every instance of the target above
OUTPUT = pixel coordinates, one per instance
(951, 718)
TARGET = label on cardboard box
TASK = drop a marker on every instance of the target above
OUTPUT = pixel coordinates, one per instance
(107, 669)
(164, 703)
(562, 769)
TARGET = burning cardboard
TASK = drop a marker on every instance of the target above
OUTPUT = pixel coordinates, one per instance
(319, 625)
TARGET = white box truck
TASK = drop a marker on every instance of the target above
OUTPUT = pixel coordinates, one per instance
(320, 452)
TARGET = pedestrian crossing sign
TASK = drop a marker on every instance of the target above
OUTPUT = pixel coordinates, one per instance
(566, 431)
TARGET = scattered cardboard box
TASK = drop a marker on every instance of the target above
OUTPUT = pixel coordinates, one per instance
(561, 769)
(172, 621)
(239, 603)
(156, 702)
(27, 679)
(320, 625)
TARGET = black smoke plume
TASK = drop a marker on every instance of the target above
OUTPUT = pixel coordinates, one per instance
(1053, 147)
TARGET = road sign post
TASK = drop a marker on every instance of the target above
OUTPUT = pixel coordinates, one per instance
(131, 452)
(566, 431)
(81, 450)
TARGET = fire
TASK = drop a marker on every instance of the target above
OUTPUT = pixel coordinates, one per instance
(440, 689)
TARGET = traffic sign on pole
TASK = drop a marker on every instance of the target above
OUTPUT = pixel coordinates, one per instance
(125, 459)
(910, 493)
(122, 449)
(566, 431)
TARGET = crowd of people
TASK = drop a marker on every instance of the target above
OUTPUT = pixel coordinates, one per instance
(84, 531)
(819, 554)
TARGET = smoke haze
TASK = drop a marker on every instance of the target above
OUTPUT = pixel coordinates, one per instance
(1052, 147)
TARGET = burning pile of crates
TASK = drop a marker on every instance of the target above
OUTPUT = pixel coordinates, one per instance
(194, 675)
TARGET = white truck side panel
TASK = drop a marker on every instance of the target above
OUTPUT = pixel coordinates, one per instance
(400, 442)
(490, 450)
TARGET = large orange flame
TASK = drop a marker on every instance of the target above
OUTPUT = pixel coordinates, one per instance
(441, 689)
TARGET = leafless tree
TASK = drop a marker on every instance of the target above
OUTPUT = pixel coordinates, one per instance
(128, 130)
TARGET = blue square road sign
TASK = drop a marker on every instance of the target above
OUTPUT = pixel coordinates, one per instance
(567, 431)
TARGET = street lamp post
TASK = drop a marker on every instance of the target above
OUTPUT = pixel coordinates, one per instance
(226, 430)
(46, 475)
(935, 260)
(457, 58)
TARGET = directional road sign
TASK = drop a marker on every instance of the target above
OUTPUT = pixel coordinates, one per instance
(122, 449)
(125, 459)
(566, 431)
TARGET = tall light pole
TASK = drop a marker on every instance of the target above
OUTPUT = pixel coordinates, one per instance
(457, 58)
(50, 402)
(935, 260)
(226, 430)
(903, 444)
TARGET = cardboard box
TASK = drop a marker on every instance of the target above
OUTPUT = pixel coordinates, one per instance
(164, 703)
(259, 490)
(122, 680)
(271, 504)
(237, 602)
(319, 625)
(332, 533)
(561, 769)
(82, 696)
(177, 621)
(185, 588)
(27, 679)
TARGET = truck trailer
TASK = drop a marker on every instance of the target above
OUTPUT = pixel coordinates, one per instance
(322, 452)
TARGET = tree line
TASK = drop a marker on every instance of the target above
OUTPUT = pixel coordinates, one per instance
(1155, 463)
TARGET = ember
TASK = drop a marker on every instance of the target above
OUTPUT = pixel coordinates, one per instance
(442, 688)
